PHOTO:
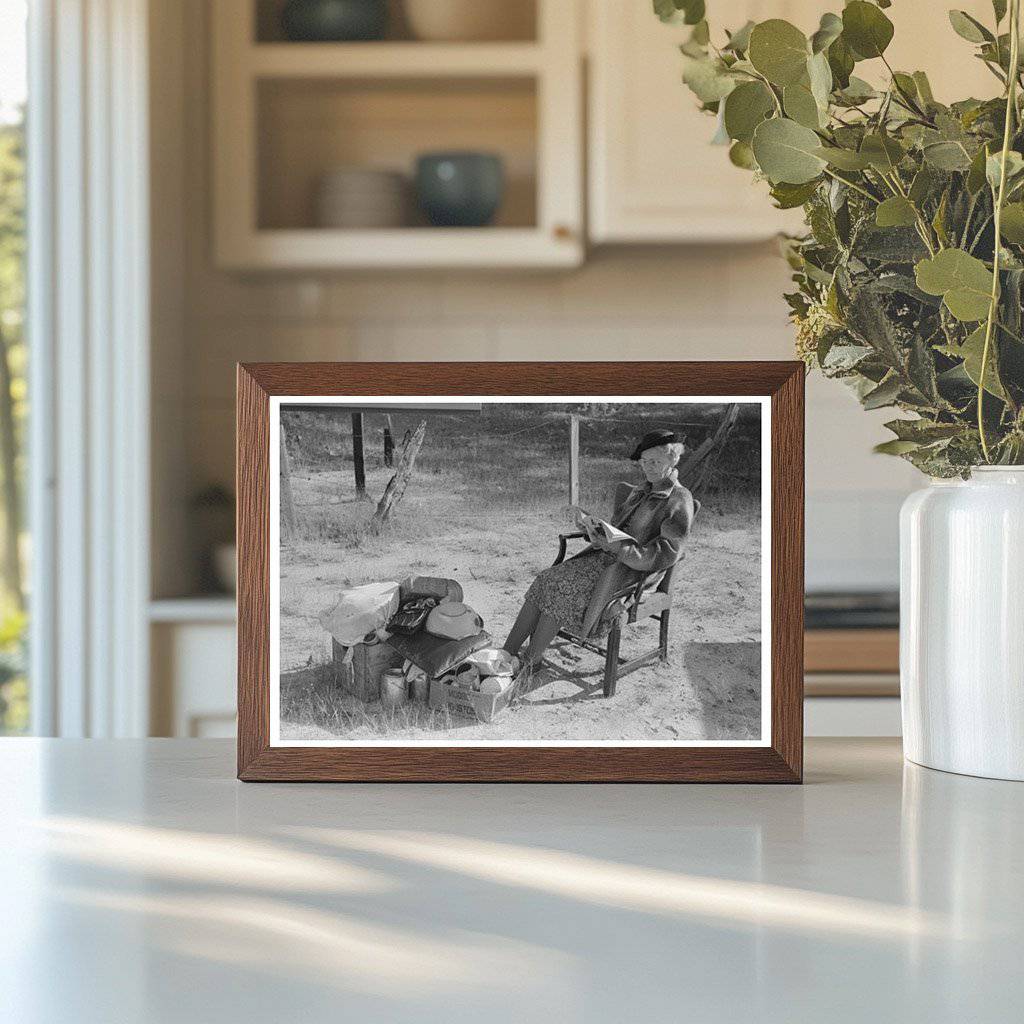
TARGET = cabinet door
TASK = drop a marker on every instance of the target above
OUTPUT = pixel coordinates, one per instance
(653, 174)
(654, 177)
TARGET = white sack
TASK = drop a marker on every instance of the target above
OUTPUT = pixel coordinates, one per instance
(360, 610)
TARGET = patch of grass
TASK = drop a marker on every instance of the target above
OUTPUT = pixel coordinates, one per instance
(312, 698)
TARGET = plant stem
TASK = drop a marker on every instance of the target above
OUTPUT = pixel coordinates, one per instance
(775, 98)
(907, 99)
(853, 185)
(1011, 108)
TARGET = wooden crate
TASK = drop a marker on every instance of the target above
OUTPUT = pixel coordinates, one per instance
(361, 675)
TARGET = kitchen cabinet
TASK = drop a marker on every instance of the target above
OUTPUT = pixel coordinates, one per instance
(654, 177)
(286, 114)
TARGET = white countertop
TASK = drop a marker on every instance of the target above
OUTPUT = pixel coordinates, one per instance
(140, 882)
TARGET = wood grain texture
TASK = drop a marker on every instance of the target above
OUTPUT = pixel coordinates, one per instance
(779, 762)
(252, 479)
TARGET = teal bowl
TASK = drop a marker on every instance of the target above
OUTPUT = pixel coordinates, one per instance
(460, 189)
(334, 21)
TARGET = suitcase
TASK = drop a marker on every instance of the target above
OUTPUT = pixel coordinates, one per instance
(360, 675)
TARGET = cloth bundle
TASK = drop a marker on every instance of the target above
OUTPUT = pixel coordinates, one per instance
(360, 611)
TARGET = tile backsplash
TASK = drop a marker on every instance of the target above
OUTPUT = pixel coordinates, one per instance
(708, 303)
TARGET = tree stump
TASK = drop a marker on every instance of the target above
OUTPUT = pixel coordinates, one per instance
(397, 484)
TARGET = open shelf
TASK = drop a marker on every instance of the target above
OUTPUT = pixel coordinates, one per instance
(286, 114)
(391, 60)
(520, 23)
(309, 127)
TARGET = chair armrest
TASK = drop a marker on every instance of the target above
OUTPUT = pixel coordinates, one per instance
(563, 539)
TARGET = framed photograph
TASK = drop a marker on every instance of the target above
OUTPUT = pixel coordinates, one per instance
(578, 572)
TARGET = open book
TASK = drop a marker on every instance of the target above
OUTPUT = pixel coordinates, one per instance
(595, 528)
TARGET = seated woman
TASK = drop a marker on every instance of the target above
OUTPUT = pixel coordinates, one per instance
(658, 514)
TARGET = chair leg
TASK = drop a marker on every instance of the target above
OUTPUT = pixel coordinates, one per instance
(611, 661)
(663, 636)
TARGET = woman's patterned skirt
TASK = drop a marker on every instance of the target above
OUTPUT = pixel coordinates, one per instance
(564, 591)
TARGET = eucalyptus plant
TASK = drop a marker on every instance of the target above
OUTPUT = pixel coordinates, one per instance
(910, 277)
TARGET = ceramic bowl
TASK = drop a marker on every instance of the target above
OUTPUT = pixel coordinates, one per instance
(460, 189)
(470, 20)
(362, 198)
(333, 21)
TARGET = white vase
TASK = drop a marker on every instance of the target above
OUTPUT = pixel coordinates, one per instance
(962, 624)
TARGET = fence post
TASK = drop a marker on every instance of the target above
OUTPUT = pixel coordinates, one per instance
(389, 443)
(574, 459)
(287, 510)
(357, 453)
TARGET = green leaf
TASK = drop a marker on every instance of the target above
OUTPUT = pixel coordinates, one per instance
(993, 166)
(844, 159)
(741, 155)
(779, 51)
(905, 84)
(801, 106)
(707, 78)
(829, 30)
(999, 9)
(895, 212)
(819, 74)
(693, 11)
(721, 136)
(689, 12)
(889, 245)
(842, 358)
(963, 281)
(1012, 224)
(895, 447)
(739, 41)
(976, 173)
(883, 152)
(947, 156)
(885, 394)
(745, 108)
(867, 317)
(665, 10)
(701, 34)
(971, 352)
(857, 91)
(921, 370)
(923, 431)
(969, 28)
(866, 29)
(922, 185)
(924, 88)
(841, 63)
(788, 196)
(787, 151)
(939, 220)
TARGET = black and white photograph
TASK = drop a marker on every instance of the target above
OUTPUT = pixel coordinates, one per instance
(516, 571)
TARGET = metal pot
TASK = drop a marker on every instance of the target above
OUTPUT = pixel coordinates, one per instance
(394, 690)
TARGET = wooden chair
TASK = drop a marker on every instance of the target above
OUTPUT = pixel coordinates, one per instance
(648, 597)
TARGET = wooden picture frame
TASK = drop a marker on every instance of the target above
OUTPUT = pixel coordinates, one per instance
(778, 759)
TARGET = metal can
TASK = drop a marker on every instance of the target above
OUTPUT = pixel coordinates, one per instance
(420, 686)
(394, 690)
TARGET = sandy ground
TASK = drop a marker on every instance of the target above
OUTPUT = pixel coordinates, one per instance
(710, 688)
